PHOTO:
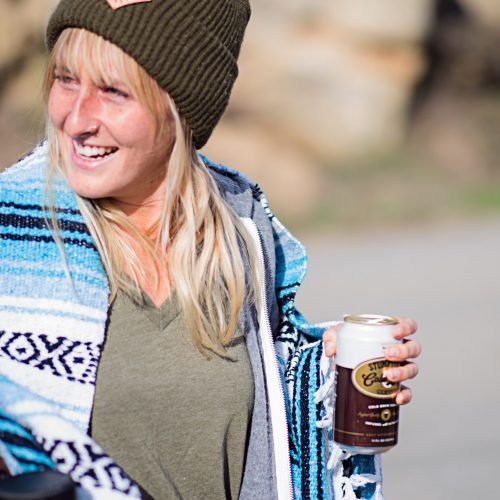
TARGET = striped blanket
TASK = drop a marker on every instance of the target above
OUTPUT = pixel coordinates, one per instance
(52, 331)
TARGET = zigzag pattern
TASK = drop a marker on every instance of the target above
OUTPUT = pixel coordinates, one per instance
(75, 361)
(56, 354)
(89, 466)
(63, 333)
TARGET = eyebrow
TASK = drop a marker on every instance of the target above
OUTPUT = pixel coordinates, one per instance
(63, 69)
(113, 83)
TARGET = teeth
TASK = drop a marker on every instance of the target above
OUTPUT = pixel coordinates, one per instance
(92, 151)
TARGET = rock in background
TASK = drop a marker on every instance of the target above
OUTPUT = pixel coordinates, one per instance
(323, 84)
(22, 65)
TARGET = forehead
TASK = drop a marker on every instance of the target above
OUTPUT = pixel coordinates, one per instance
(82, 51)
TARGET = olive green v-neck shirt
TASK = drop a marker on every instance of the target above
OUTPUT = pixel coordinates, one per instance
(176, 422)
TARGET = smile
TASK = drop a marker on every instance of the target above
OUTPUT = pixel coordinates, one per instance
(88, 152)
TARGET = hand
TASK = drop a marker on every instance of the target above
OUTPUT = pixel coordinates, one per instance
(397, 352)
(403, 352)
(330, 340)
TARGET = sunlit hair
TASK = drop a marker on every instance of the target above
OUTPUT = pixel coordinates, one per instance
(196, 245)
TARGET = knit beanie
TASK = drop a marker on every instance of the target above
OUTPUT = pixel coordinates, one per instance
(190, 47)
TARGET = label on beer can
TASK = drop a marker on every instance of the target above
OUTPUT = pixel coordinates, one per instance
(366, 413)
(368, 378)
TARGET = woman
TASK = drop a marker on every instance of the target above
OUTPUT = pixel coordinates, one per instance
(148, 304)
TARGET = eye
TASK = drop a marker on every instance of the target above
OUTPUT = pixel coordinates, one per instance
(115, 92)
(65, 79)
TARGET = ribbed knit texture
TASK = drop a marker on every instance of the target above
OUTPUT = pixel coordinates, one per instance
(190, 47)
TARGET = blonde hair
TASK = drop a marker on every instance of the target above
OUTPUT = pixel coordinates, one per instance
(198, 239)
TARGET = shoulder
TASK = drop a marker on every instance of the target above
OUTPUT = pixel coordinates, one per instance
(29, 167)
(234, 186)
(243, 194)
(23, 183)
(247, 200)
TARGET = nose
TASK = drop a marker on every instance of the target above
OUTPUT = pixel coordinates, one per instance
(82, 119)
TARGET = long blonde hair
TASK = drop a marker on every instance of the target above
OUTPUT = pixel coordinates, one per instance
(198, 239)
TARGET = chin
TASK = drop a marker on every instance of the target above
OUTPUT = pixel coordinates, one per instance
(88, 191)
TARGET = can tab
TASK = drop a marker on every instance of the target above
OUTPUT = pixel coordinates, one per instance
(370, 319)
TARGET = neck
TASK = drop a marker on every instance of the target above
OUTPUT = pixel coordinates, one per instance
(154, 280)
(143, 215)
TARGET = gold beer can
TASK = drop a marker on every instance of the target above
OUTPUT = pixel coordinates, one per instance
(366, 414)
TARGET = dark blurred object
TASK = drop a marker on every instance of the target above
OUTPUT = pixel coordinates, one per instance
(463, 51)
(456, 109)
(4, 471)
(45, 485)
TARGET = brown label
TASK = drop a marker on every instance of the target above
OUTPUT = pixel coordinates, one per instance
(362, 420)
(116, 4)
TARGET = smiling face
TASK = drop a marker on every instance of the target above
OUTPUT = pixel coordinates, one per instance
(111, 144)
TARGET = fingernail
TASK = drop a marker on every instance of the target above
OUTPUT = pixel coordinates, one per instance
(391, 352)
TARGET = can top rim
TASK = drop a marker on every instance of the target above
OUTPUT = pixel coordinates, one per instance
(370, 319)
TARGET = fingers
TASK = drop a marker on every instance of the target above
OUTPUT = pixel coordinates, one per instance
(405, 327)
(404, 396)
(330, 340)
(402, 352)
(401, 373)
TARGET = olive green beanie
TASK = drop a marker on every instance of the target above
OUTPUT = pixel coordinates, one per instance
(190, 47)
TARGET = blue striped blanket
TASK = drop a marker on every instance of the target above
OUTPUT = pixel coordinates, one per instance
(52, 331)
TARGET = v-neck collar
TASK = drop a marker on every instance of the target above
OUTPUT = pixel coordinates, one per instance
(161, 316)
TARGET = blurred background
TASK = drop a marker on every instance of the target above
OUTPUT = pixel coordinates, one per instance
(374, 128)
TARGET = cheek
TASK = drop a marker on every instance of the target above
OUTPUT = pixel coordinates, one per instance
(136, 131)
(56, 109)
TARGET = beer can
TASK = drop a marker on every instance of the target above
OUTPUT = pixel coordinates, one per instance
(366, 414)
